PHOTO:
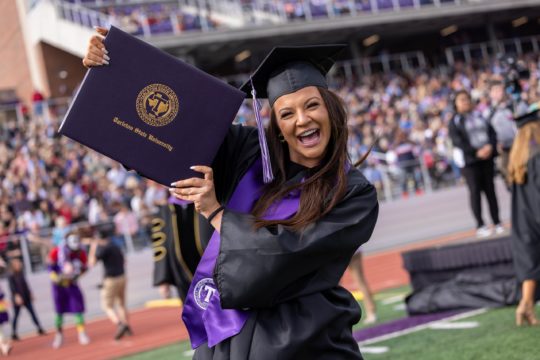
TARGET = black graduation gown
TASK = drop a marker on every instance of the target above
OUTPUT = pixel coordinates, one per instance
(289, 281)
(526, 223)
(178, 242)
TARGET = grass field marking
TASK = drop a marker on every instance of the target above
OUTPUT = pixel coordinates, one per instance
(189, 352)
(374, 349)
(443, 325)
(420, 327)
(400, 307)
(386, 295)
(393, 299)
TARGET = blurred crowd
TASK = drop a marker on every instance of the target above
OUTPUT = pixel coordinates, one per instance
(406, 117)
(49, 182)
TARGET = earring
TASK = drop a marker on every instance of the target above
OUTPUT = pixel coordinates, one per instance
(281, 138)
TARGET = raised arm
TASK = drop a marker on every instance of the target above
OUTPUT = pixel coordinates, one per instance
(259, 268)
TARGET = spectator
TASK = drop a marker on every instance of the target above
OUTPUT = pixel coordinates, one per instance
(113, 291)
(20, 296)
(475, 137)
(126, 224)
(500, 116)
(67, 262)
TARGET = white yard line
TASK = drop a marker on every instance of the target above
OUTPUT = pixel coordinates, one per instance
(442, 325)
(420, 327)
(393, 299)
(374, 349)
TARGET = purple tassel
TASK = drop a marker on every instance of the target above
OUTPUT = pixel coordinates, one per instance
(268, 176)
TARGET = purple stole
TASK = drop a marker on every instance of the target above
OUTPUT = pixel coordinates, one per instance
(205, 320)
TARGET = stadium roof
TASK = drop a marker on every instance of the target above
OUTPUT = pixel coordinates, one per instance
(212, 48)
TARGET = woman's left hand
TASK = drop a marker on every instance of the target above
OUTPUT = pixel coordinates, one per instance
(200, 191)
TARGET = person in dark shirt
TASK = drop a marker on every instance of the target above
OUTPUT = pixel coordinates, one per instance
(114, 284)
(20, 296)
(477, 140)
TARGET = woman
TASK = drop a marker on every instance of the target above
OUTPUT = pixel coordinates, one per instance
(475, 137)
(524, 174)
(267, 284)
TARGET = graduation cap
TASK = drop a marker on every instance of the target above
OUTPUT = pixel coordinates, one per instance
(287, 69)
(532, 115)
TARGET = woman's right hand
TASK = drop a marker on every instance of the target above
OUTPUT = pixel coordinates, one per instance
(96, 55)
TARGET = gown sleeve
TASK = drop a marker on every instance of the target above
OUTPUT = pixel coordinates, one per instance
(534, 179)
(237, 152)
(261, 268)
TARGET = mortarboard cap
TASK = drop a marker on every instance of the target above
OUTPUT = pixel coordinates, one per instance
(287, 69)
(532, 115)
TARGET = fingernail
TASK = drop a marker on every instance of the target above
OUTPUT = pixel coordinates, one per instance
(105, 62)
(171, 190)
(173, 184)
(106, 57)
(192, 167)
(105, 51)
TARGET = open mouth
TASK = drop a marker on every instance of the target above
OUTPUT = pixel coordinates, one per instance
(310, 137)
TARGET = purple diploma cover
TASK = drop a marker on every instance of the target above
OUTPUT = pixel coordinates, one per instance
(150, 111)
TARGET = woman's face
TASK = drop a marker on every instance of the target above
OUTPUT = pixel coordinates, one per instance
(463, 103)
(302, 118)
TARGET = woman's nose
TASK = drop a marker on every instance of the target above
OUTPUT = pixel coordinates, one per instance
(302, 118)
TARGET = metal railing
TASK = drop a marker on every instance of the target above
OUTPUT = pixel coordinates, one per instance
(489, 50)
(396, 180)
(231, 13)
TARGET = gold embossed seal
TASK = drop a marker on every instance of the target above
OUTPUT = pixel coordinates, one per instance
(157, 105)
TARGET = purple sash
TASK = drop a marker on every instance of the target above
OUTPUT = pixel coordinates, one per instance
(205, 320)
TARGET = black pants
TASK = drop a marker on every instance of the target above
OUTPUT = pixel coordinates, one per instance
(479, 177)
(17, 310)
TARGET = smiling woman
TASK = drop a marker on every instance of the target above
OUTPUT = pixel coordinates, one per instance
(280, 257)
(267, 285)
(313, 124)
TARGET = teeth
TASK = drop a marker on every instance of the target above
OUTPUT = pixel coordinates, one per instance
(308, 132)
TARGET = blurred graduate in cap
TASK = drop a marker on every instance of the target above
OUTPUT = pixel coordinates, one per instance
(288, 211)
(524, 174)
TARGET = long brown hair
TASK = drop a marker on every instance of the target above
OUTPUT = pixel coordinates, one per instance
(326, 185)
(526, 144)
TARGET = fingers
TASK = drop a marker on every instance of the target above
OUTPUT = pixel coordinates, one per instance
(90, 63)
(198, 182)
(206, 170)
(101, 30)
(96, 54)
(92, 59)
(188, 191)
(97, 41)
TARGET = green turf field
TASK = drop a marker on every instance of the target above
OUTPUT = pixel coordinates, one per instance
(495, 338)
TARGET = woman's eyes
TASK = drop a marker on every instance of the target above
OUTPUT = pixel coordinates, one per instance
(288, 114)
(285, 115)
